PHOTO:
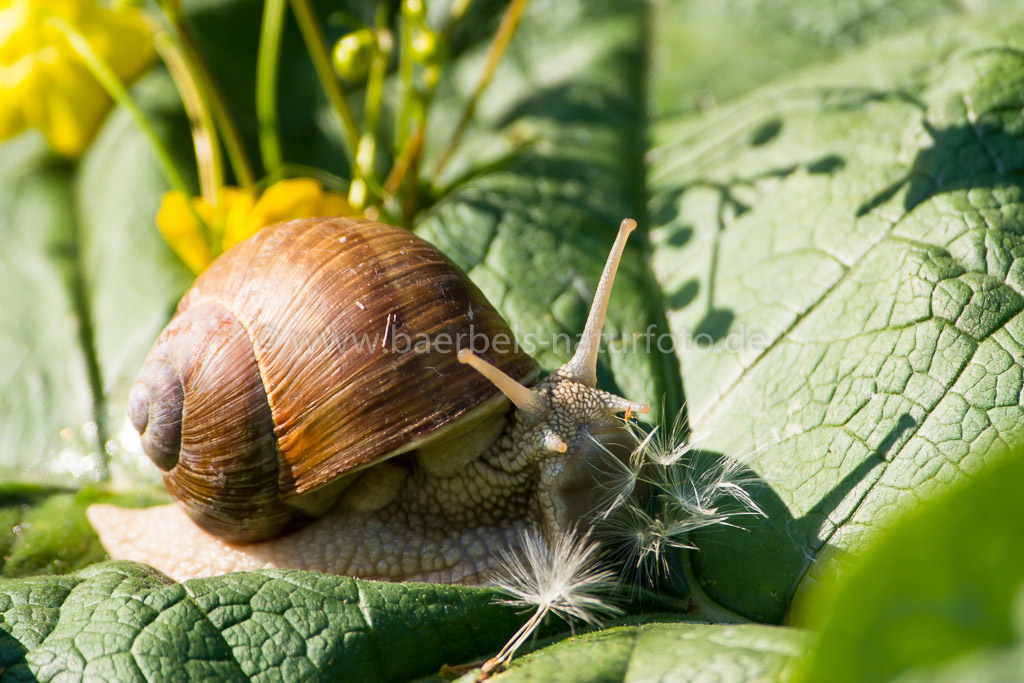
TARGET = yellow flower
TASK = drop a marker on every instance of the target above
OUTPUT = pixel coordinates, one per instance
(44, 84)
(238, 216)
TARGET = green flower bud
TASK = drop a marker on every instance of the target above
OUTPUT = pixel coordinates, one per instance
(426, 46)
(414, 10)
(353, 54)
(429, 78)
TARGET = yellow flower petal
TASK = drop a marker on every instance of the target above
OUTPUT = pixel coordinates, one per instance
(335, 204)
(238, 206)
(182, 231)
(69, 109)
(292, 198)
(12, 118)
(238, 216)
(282, 201)
(120, 38)
(44, 83)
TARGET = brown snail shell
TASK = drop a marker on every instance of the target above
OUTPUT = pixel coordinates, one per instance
(280, 373)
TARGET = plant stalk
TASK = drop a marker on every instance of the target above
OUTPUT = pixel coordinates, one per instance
(502, 38)
(406, 160)
(204, 133)
(405, 87)
(212, 97)
(117, 92)
(318, 52)
(232, 138)
(364, 178)
(266, 85)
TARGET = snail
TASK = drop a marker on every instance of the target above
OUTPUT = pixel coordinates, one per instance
(292, 429)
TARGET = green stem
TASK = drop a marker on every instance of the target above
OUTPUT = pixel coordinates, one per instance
(409, 154)
(204, 133)
(502, 37)
(266, 84)
(405, 75)
(317, 48)
(108, 79)
(232, 138)
(702, 607)
(364, 180)
(210, 95)
(407, 163)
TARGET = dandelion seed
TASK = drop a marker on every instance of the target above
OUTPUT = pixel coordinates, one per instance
(617, 476)
(670, 445)
(639, 540)
(711, 489)
(666, 489)
(565, 580)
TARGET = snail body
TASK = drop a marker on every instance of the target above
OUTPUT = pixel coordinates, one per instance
(278, 404)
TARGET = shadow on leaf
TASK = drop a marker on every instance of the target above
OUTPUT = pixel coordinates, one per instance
(756, 569)
(12, 659)
(683, 296)
(959, 157)
(714, 325)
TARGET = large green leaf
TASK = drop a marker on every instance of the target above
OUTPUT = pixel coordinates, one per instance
(49, 533)
(123, 621)
(47, 390)
(939, 597)
(132, 277)
(847, 243)
(667, 651)
(704, 53)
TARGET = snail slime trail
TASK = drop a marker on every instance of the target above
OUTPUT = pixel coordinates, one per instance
(285, 447)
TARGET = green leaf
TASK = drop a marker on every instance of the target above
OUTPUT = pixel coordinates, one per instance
(705, 53)
(667, 651)
(132, 277)
(46, 394)
(43, 530)
(839, 253)
(123, 621)
(560, 159)
(83, 242)
(938, 597)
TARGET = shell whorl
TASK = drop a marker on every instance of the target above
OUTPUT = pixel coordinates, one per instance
(200, 407)
(155, 404)
(279, 374)
(334, 308)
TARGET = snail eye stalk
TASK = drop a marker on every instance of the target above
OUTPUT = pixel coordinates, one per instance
(583, 366)
(532, 404)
